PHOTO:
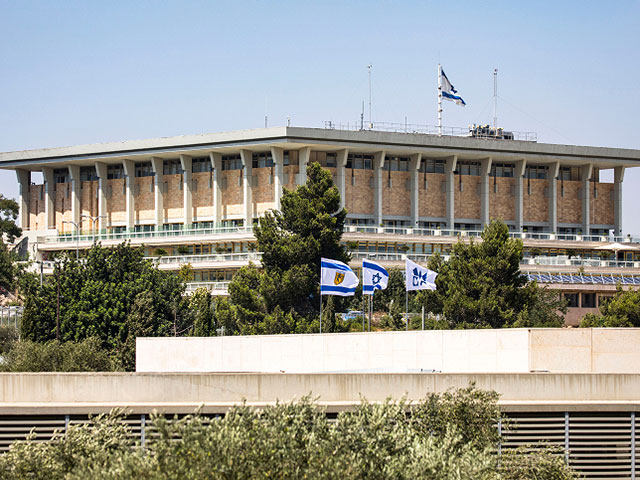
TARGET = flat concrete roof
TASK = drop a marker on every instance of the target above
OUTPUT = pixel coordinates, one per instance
(323, 139)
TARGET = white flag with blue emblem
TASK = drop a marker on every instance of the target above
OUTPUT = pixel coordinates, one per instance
(374, 277)
(449, 91)
(419, 278)
(336, 278)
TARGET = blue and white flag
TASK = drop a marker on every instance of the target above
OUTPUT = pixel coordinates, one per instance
(336, 278)
(374, 277)
(448, 90)
(419, 278)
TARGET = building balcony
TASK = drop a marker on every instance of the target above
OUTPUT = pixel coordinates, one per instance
(169, 237)
(154, 237)
(215, 260)
(215, 288)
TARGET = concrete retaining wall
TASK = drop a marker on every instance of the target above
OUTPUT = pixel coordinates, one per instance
(602, 350)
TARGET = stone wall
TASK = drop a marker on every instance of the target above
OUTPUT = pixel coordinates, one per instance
(535, 201)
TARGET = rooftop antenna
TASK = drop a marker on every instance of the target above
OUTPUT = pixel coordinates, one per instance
(369, 71)
(265, 111)
(362, 117)
(495, 98)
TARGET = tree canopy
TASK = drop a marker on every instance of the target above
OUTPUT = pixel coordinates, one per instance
(283, 296)
(9, 211)
(113, 294)
(622, 310)
(481, 286)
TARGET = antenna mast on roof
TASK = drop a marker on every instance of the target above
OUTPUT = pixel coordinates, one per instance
(370, 120)
(495, 98)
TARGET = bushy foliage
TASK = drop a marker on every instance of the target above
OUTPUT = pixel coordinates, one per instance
(623, 310)
(9, 211)
(113, 294)
(481, 286)
(537, 463)
(8, 337)
(448, 437)
(53, 356)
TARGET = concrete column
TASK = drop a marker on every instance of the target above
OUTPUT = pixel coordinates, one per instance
(485, 170)
(618, 177)
(158, 169)
(216, 164)
(518, 174)
(277, 154)
(130, 183)
(414, 167)
(101, 171)
(247, 179)
(24, 182)
(554, 172)
(49, 196)
(341, 163)
(303, 159)
(450, 167)
(585, 178)
(74, 173)
(187, 192)
(378, 165)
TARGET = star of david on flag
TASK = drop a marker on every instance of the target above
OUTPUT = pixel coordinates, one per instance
(374, 277)
(419, 278)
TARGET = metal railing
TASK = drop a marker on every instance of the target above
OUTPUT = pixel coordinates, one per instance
(579, 262)
(448, 232)
(425, 129)
(208, 258)
(392, 257)
(432, 232)
(213, 287)
(71, 238)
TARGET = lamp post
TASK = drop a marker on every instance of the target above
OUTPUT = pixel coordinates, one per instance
(93, 223)
(75, 224)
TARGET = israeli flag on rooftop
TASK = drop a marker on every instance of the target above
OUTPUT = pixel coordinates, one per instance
(374, 277)
(449, 91)
(419, 277)
(336, 278)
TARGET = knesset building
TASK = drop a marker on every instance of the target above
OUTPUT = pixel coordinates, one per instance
(196, 197)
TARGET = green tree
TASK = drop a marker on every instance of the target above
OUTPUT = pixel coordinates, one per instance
(113, 294)
(9, 230)
(623, 310)
(201, 309)
(8, 215)
(293, 239)
(8, 270)
(481, 286)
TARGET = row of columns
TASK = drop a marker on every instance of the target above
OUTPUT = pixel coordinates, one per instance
(277, 153)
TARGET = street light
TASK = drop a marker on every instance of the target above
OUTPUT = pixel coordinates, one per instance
(93, 222)
(75, 224)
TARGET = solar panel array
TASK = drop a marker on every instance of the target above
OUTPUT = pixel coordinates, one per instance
(582, 278)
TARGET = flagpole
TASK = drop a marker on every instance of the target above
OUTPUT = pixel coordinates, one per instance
(406, 307)
(439, 100)
(370, 310)
(321, 310)
(362, 283)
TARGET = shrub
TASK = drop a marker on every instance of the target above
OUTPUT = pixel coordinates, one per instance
(445, 437)
(53, 356)
(8, 336)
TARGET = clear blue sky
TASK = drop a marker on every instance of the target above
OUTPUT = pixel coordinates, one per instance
(77, 72)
